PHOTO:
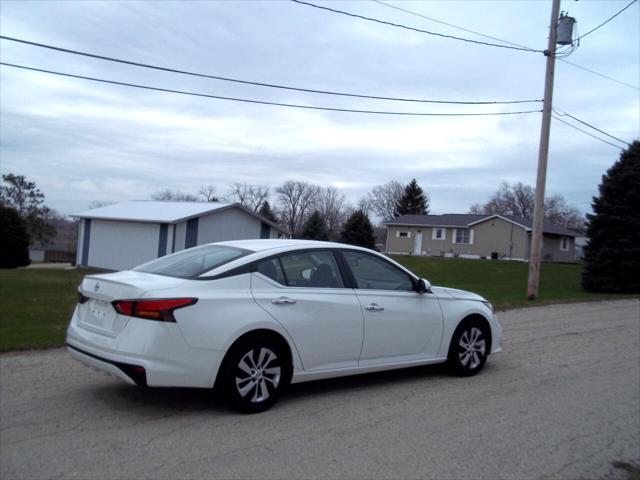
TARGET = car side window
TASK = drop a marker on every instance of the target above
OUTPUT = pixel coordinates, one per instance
(273, 269)
(374, 273)
(312, 269)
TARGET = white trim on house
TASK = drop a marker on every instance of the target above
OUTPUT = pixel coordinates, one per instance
(408, 234)
(434, 230)
(501, 217)
(565, 244)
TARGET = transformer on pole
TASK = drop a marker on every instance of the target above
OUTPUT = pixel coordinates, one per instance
(565, 29)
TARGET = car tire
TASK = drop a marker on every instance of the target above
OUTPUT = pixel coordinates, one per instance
(468, 350)
(255, 372)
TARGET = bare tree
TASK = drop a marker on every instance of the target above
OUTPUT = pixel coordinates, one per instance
(208, 192)
(363, 204)
(332, 206)
(557, 211)
(476, 209)
(383, 200)
(176, 196)
(518, 200)
(515, 200)
(250, 196)
(295, 200)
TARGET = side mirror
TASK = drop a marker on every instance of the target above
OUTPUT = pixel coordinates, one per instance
(424, 286)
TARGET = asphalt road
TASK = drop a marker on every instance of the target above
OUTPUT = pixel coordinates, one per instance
(561, 401)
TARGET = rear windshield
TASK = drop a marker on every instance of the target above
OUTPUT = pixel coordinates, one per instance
(193, 262)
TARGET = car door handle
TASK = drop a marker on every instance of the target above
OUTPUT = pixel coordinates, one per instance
(283, 301)
(374, 307)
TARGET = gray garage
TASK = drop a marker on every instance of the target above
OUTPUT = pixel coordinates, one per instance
(120, 236)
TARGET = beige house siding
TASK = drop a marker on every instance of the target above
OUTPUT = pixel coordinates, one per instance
(552, 251)
(495, 235)
(396, 244)
(505, 238)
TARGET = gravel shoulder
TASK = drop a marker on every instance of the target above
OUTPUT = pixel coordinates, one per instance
(561, 401)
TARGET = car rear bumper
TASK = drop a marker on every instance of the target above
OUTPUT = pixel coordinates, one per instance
(133, 374)
(157, 347)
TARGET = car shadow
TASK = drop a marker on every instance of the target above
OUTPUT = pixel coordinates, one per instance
(160, 401)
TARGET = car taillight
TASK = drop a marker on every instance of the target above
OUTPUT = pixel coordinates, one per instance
(155, 309)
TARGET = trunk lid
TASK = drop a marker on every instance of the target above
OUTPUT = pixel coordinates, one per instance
(97, 313)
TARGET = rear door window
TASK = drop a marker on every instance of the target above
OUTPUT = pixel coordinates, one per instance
(272, 268)
(311, 269)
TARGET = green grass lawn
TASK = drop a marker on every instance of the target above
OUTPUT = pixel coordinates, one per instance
(36, 306)
(504, 283)
(37, 303)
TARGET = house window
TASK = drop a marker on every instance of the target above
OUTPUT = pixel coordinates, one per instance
(564, 244)
(403, 234)
(463, 235)
(438, 233)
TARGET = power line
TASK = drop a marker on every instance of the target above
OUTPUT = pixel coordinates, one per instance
(565, 114)
(262, 102)
(410, 12)
(599, 74)
(607, 20)
(510, 43)
(398, 25)
(585, 132)
(248, 82)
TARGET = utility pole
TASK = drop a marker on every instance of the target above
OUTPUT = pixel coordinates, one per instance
(543, 154)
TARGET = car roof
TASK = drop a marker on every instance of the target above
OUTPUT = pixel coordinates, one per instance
(257, 245)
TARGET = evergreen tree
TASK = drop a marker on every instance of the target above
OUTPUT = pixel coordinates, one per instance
(612, 255)
(315, 228)
(266, 211)
(413, 201)
(14, 248)
(28, 201)
(358, 231)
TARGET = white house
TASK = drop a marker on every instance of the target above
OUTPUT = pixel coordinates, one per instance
(123, 235)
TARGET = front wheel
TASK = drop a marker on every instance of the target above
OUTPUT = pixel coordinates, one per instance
(469, 349)
(255, 373)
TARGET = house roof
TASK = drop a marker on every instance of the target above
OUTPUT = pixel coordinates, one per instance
(465, 220)
(162, 211)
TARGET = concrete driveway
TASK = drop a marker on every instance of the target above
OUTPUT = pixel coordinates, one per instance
(561, 401)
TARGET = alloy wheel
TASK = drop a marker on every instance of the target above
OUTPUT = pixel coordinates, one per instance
(471, 348)
(258, 374)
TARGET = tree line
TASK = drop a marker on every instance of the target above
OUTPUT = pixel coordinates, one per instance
(302, 209)
(309, 211)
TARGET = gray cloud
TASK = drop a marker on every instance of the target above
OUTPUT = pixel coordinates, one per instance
(84, 141)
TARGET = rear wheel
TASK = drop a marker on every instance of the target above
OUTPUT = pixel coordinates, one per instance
(469, 348)
(255, 373)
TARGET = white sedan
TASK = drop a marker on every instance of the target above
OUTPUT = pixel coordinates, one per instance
(249, 317)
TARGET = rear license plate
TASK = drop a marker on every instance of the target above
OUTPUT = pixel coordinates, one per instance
(99, 308)
(100, 315)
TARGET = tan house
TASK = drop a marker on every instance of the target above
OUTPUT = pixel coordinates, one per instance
(476, 236)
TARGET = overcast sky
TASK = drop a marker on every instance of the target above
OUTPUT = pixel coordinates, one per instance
(83, 141)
